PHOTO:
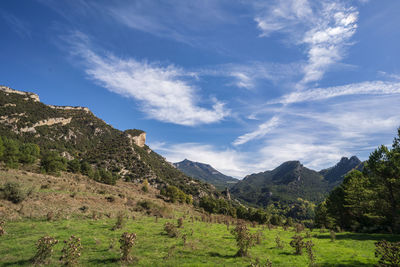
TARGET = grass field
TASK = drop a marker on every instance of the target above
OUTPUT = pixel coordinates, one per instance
(211, 244)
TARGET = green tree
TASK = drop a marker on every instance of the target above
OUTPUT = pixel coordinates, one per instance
(29, 153)
(86, 169)
(52, 162)
(1, 148)
(74, 166)
(11, 152)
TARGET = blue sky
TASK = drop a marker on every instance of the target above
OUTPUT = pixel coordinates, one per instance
(241, 85)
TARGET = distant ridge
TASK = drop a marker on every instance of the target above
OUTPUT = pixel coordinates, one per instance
(205, 172)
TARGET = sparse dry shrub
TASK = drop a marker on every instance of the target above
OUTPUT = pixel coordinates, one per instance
(244, 239)
(227, 225)
(257, 263)
(44, 249)
(298, 244)
(308, 234)
(50, 216)
(310, 253)
(13, 192)
(388, 253)
(259, 237)
(120, 221)
(322, 230)
(285, 227)
(127, 241)
(184, 239)
(279, 243)
(2, 231)
(95, 215)
(180, 223)
(332, 235)
(171, 230)
(299, 227)
(171, 252)
(71, 251)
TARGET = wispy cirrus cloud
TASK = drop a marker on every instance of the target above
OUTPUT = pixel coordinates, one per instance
(363, 88)
(324, 27)
(262, 130)
(18, 25)
(165, 92)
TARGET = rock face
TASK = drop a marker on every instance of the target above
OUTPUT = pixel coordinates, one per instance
(69, 108)
(140, 140)
(336, 173)
(29, 95)
(48, 122)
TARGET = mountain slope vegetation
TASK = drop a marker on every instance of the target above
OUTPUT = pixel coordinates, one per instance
(206, 173)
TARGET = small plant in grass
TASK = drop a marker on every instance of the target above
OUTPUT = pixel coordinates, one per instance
(44, 249)
(50, 216)
(299, 228)
(308, 234)
(171, 229)
(333, 235)
(244, 239)
(310, 253)
(388, 253)
(120, 221)
(257, 263)
(298, 244)
(279, 242)
(259, 237)
(71, 251)
(145, 186)
(171, 252)
(184, 239)
(322, 230)
(2, 231)
(127, 241)
(180, 222)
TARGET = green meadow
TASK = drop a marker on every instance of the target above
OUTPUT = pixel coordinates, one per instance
(207, 244)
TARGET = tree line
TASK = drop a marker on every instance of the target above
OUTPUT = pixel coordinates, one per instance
(367, 201)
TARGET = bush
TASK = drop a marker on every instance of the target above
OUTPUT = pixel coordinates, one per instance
(120, 221)
(145, 187)
(71, 251)
(171, 230)
(13, 192)
(180, 223)
(298, 244)
(389, 253)
(127, 241)
(2, 231)
(310, 253)
(333, 235)
(279, 242)
(74, 166)
(44, 249)
(244, 239)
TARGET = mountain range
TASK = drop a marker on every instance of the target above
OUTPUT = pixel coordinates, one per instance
(206, 173)
(286, 183)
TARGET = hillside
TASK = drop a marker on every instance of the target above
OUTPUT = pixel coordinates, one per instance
(335, 174)
(76, 133)
(206, 173)
(291, 180)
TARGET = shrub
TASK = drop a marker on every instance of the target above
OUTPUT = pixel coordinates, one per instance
(258, 237)
(299, 228)
(120, 221)
(389, 253)
(279, 242)
(310, 253)
(180, 223)
(74, 166)
(13, 192)
(298, 244)
(2, 231)
(244, 239)
(127, 241)
(145, 187)
(308, 234)
(171, 230)
(44, 249)
(71, 251)
(333, 235)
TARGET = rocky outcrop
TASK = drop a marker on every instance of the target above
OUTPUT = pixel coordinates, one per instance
(28, 95)
(48, 122)
(139, 140)
(69, 108)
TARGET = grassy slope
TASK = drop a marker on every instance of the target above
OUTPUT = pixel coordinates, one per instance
(210, 245)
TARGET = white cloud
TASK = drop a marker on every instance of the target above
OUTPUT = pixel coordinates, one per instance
(325, 28)
(19, 26)
(364, 88)
(262, 130)
(164, 91)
